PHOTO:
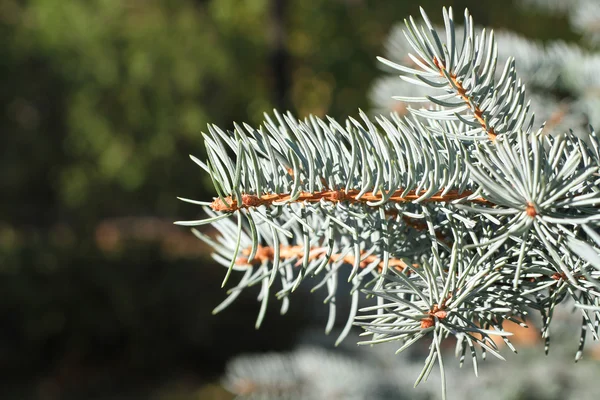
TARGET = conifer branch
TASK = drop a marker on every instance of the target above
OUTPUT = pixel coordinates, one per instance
(462, 93)
(266, 254)
(456, 217)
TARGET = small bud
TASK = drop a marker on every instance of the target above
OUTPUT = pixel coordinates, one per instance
(427, 323)
(219, 205)
(530, 210)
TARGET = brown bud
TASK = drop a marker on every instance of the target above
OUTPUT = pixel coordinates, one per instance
(530, 210)
(219, 205)
(427, 323)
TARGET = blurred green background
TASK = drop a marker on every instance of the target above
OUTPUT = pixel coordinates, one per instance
(101, 102)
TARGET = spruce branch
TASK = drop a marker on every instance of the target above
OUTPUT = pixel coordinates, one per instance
(465, 73)
(455, 218)
(462, 93)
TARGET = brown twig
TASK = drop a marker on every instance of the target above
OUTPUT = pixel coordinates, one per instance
(267, 253)
(334, 196)
(436, 312)
(462, 92)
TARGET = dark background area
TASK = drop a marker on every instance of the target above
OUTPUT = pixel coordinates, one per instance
(101, 101)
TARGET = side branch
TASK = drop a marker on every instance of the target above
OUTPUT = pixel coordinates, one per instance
(462, 92)
(266, 254)
(334, 196)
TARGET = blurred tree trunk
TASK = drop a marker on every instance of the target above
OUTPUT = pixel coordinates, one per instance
(279, 54)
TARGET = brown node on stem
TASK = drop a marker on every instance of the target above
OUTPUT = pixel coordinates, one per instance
(556, 276)
(250, 200)
(220, 205)
(337, 195)
(530, 210)
(436, 312)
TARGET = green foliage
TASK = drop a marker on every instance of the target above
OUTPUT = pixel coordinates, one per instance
(133, 77)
